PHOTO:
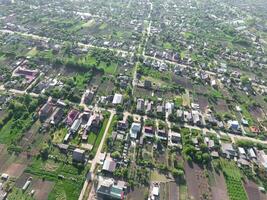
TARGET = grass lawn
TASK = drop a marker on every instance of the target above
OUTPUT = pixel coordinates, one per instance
(178, 101)
(59, 135)
(103, 26)
(186, 99)
(100, 134)
(167, 45)
(183, 192)
(32, 52)
(92, 137)
(110, 129)
(88, 24)
(111, 69)
(18, 194)
(13, 129)
(156, 176)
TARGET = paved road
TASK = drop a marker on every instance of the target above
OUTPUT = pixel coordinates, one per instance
(95, 160)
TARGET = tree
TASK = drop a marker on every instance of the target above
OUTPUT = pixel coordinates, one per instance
(177, 173)
(44, 151)
(116, 155)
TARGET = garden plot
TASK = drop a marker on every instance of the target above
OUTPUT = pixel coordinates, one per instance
(197, 182)
(184, 82)
(253, 191)
(15, 169)
(169, 191)
(42, 189)
(138, 193)
(203, 102)
(221, 106)
(218, 187)
(233, 180)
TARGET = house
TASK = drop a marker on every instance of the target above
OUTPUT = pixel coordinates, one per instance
(88, 97)
(28, 74)
(94, 122)
(46, 111)
(117, 99)
(210, 143)
(241, 151)
(210, 119)
(233, 125)
(262, 159)
(160, 109)
(228, 150)
(78, 155)
(155, 192)
(252, 153)
(109, 165)
(147, 84)
(174, 139)
(140, 106)
(107, 188)
(72, 116)
(188, 117)
(196, 117)
(169, 106)
(149, 107)
(57, 116)
(63, 148)
(179, 114)
(135, 130)
(122, 126)
(149, 131)
(162, 134)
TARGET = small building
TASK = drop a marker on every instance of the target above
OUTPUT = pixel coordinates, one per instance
(162, 134)
(107, 188)
(252, 153)
(147, 84)
(174, 139)
(169, 106)
(135, 130)
(122, 126)
(46, 111)
(228, 150)
(63, 148)
(72, 116)
(78, 155)
(109, 165)
(140, 106)
(76, 125)
(149, 131)
(234, 126)
(57, 116)
(117, 99)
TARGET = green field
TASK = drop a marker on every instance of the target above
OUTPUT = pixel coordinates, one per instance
(67, 188)
(233, 180)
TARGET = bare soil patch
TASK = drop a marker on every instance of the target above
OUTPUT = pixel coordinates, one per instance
(218, 189)
(15, 169)
(197, 182)
(203, 103)
(252, 191)
(221, 106)
(138, 193)
(42, 189)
